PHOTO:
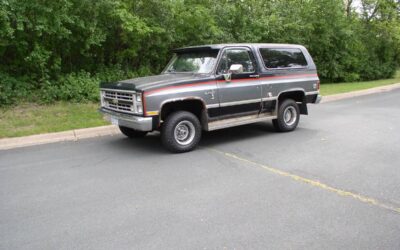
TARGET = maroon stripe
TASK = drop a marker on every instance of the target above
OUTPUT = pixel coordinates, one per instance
(234, 80)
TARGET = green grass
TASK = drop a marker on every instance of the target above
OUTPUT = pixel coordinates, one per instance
(337, 88)
(29, 119)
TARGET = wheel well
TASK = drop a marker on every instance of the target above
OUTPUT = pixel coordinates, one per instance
(297, 96)
(194, 106)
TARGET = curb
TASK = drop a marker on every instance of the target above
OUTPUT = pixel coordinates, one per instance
(79, 134)
(71, 135)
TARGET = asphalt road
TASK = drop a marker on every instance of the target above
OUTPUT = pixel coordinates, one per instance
(334, 183)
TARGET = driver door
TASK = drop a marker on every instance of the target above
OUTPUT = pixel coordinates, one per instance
(242, 94)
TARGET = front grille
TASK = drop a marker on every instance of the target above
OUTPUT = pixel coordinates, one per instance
(119, 95)
(120, 106)
(119, 100)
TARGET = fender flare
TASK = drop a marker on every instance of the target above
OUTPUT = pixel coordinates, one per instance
(303, 107)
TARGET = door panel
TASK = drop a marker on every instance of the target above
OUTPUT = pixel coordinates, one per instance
(243, 92)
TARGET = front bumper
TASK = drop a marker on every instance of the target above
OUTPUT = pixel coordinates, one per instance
(135, 122)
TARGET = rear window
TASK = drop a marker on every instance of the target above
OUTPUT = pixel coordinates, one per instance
(283, 58)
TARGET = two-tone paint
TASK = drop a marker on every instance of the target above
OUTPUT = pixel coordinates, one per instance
(245, 94)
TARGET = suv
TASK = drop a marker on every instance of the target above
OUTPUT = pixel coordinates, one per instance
(212, 87)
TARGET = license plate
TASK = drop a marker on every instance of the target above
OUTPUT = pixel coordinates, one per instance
(114, 121)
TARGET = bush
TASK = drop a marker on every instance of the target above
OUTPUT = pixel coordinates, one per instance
(13, 90)
(82, 86)
(76, 87)
(115, 73)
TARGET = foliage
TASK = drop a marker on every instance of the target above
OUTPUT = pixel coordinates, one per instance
(13, 89)
(60, 49)
(76, 87)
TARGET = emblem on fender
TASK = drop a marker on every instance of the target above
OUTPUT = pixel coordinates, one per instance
(211, 93)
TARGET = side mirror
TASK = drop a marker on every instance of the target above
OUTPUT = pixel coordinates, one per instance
(236, 68)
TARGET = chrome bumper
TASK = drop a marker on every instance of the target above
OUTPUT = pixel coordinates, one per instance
(130, 121)
(319, 98)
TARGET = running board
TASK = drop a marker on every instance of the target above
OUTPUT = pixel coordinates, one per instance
(232, 122)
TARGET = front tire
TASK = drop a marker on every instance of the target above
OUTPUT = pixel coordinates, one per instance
(181, 132)
(131, 133)
(288, 116)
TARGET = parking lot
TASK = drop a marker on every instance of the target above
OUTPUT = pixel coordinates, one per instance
(334, 183)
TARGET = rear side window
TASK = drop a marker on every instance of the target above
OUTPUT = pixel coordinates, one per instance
(283, 58)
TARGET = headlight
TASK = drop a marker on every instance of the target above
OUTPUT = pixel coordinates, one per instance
(139, 105)
(139, 97)
(139, 108)
(102, 98)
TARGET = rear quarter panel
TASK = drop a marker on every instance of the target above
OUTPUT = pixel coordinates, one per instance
(276, 81)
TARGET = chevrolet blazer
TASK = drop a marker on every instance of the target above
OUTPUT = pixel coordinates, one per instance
(211, 87)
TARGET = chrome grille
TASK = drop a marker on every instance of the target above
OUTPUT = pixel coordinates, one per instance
(119, 100)
(120, 106)
(119, 95)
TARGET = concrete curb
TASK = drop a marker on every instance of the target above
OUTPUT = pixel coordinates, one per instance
(78, 134)
(71, 135)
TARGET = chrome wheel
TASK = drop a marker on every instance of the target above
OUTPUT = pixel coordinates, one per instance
(290, 116)
(184, 132)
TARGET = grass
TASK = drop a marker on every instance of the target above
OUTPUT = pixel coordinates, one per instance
(29, 119)
(337, 88)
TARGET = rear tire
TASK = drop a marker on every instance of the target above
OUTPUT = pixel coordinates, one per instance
(181, 132)
(288, 116)
(131, 133)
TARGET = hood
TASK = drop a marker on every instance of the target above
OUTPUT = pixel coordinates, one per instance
(155, 82)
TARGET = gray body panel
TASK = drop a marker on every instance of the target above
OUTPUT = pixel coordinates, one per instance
(158, 81)
(224, 97)
(231, 92)
(205, 91)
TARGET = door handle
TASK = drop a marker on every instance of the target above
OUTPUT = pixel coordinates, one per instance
(254, 76)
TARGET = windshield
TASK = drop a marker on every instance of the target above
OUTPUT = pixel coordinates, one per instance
(193, 62)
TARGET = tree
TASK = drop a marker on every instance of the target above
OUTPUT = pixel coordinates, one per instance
(42, 42)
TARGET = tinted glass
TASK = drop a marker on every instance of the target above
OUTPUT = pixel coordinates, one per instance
(236, 56)
(193, 62)
(283, 58)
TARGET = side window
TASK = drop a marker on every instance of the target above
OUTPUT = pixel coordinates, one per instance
(236, 56)
(283, 58)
